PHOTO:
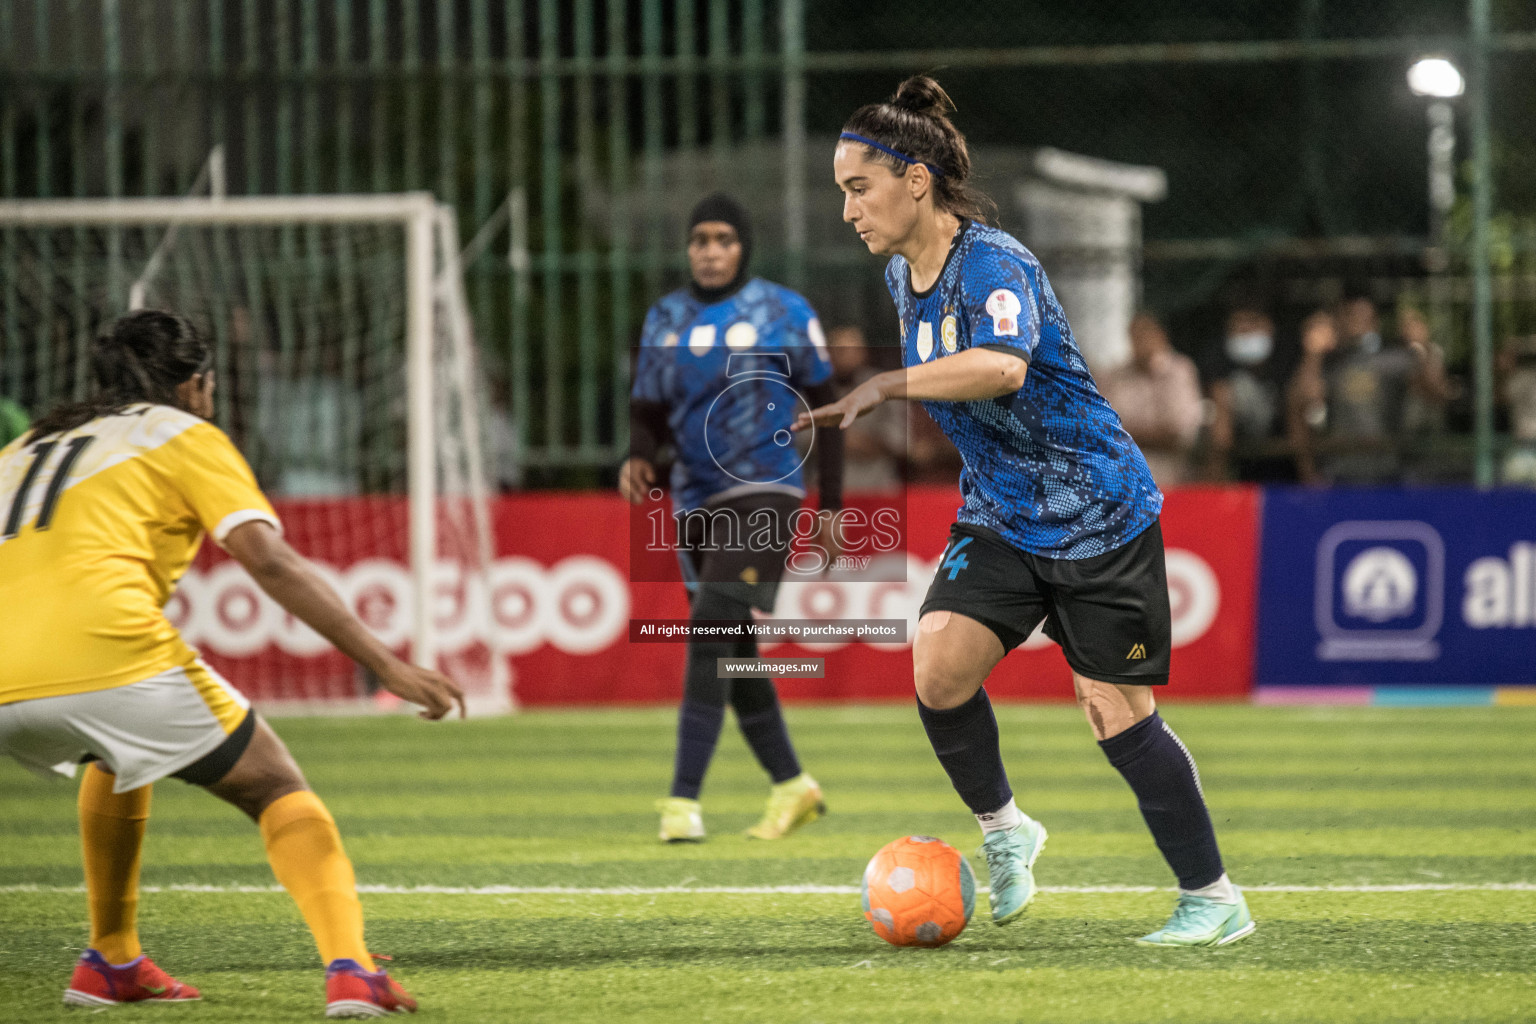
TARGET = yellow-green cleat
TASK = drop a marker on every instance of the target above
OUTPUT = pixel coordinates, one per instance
(682, 820)
(792, 803)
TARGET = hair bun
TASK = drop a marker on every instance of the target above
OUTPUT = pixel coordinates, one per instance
(922, 95)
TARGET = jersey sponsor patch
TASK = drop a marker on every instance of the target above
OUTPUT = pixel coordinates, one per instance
(1003, 306)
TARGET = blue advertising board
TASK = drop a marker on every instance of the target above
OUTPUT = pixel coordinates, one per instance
(1394, 587)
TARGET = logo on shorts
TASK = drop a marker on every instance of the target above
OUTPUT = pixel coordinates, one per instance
(1138, 652)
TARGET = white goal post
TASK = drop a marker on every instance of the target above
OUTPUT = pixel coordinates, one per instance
(428, 239)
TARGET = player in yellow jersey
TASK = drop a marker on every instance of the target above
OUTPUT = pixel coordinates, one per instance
(103, 505)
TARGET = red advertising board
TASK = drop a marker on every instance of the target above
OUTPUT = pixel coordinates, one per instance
(561, 598)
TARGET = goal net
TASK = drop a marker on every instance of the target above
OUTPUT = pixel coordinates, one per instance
(346, 372)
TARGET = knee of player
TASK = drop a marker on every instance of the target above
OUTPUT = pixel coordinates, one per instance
(1109, 710)
(260, 794)
(939, 686)
(265, 773)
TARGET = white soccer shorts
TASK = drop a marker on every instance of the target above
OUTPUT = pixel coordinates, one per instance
(142, 731)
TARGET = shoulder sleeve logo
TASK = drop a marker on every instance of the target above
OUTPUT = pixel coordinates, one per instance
(818, 337)
(1003, 306)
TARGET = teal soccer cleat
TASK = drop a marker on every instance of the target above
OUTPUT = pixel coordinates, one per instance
(1010, 860)
(1199, 921)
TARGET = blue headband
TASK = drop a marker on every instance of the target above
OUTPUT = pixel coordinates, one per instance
(939, 171)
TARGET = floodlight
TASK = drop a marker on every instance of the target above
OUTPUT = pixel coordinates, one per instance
(1436, 77)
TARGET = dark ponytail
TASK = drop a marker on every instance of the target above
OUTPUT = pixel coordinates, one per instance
(915, 122)
(139, 357)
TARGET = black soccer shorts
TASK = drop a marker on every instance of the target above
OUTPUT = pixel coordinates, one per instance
(1109, 613)
(720, 546)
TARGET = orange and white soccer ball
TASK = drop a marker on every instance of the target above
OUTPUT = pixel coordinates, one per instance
(918, 891)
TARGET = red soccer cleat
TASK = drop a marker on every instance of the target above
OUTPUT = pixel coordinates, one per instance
(353, 992)
(98, 983)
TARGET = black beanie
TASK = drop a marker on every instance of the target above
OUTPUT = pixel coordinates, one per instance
(721, 207)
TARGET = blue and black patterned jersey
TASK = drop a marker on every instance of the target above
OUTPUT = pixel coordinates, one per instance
(732, 376)
(1049, 468)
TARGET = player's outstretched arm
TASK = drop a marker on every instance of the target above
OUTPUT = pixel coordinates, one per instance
(975, 374)
(287, 577)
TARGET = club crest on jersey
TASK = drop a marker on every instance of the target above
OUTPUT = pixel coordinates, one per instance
(741, 335)
(949, 333)
(924, 340)
(1003, 306)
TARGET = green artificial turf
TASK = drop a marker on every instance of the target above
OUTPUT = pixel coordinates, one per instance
(1443, 800)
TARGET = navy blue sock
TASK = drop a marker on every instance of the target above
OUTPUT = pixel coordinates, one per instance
(698, 728)
(700, 717)
(965, 740)
(704, 692)
(756, 704)
(1166, 782)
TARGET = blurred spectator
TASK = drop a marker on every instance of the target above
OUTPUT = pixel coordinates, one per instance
(1518, 361)
(13, 421)
(1306, 400)
(1245, 390)
(1157, 395)
(1424, 413)
(875, 444)
(1349, 407)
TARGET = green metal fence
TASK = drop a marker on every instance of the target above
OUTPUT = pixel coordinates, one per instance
(551, 121)
(578, 132)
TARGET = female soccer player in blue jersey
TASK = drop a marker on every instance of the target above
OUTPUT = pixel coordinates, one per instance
(723, 367)
(1059, 520)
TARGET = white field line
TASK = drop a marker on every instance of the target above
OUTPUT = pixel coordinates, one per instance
(775, 890)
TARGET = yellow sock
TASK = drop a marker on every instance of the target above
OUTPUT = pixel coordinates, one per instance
(305, 851)
(111, 837)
